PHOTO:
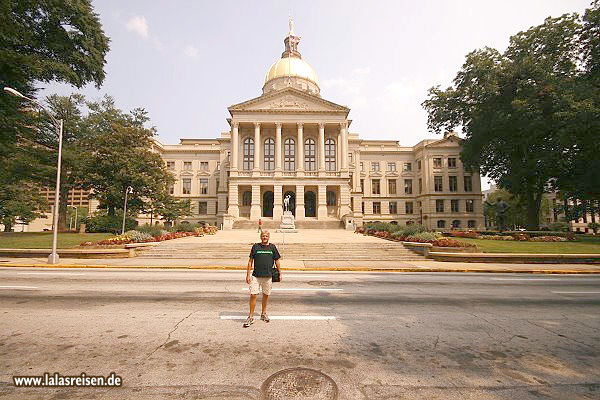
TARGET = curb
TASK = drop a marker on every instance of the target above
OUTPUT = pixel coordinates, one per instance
(346, 269)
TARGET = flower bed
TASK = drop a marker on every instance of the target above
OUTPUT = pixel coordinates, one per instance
(421, 237)
(142, 237)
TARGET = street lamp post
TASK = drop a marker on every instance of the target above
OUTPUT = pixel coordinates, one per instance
(58, 125)
(129, 190)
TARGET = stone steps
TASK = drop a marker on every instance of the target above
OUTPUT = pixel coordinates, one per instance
(272, 225)
(295, 251)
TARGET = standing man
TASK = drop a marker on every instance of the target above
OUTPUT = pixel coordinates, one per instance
(262, 256)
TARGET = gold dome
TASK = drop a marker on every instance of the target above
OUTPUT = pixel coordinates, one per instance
(291, 66)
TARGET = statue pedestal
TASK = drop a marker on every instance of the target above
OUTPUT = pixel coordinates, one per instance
(287, 222)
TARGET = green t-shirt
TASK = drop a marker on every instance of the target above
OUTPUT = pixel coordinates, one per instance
(264, 257)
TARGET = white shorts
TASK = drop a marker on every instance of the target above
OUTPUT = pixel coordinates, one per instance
(262, 282)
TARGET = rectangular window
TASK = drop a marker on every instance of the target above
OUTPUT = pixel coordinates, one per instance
(408, 207)
(203, 186)
(203, 208)
(470, 205)
(437, 162)
(171, 165)
(453, 183)
(419, 165)
(391, 186)
(362, 185)
(451, 162)
(393, 207)
(407, 167)
(362, 166)
(363, 208)
(187, 165)
(289, 156)
(376, 186)
(218, 165)
(408, 186)
(349, 158)
(204, 165)
(420, 185)
(468, 183)
(471, 223)
(376, 207)
(454, 205)
(439, 206)
(187, 185)
(391, 166)
(437, 184)
(375, 166)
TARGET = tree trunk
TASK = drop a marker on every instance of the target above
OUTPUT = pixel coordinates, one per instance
(534, 201)
(7, 225)
(62, 207)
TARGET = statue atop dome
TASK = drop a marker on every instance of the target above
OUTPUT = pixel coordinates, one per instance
(291, 27)
(291, 42)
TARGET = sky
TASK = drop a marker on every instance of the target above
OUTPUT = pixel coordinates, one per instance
(185, 62)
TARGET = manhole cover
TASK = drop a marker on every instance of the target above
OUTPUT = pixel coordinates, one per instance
(320, 283)
(300, 383)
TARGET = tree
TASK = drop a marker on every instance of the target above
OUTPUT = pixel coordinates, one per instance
(41, 41)
(20, 203)
(118, 154)
(520, 110)
(171, 208)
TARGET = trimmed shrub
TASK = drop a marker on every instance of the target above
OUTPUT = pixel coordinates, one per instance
(139, 237)
(423, 237)
(152, 230)
(548, 239)
(447, 242)
(106, 223)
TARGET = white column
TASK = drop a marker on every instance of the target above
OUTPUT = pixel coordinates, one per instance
(278, 146)
(338, 151)
(321, 150)
(257, 147)
(344, 144)
(300, 152)
(357, 171)
(255, 209)
(277, 202)
(300, 211)
(233, 200)
(235, 138)
(322, 202)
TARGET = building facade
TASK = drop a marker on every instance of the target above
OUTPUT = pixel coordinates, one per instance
(291, 142)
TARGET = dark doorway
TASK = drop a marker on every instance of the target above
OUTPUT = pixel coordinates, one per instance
(268, 200)
(292, 201)
(310, 204)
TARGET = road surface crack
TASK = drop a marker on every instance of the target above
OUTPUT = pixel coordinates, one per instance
(560, 334)
(170, 333)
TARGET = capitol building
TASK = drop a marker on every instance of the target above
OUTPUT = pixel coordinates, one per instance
(292, 142)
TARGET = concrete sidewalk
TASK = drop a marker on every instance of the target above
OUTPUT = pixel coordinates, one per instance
(289, 264)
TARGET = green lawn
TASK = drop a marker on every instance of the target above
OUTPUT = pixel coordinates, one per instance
(43, 240)
(501, 246)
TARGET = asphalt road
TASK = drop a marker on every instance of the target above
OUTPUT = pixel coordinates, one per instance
(178, 334)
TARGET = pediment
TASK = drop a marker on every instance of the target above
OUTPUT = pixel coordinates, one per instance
(288, 100)
(203, 173)
(450, 141)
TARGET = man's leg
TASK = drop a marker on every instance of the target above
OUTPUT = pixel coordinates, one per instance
(265, 299)
(252, 305)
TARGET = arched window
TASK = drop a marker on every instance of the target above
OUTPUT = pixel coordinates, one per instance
(248, 154)
(456, 223)
(269, 154)
(289, 151)
(471, 223)
(330, 155)
(331, 198)
(247, 198)
(310, 158)
(441, 223)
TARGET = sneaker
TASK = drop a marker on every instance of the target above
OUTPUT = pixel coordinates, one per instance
(264, 317)
(249, 321)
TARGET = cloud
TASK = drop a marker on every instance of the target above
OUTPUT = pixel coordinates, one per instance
(191, 51)
(138, 25)
(351, 88)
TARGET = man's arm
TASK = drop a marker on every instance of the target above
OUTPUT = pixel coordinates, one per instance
(248, 270)
(279, 269)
